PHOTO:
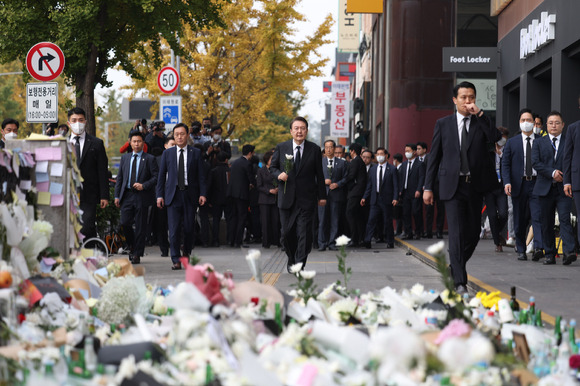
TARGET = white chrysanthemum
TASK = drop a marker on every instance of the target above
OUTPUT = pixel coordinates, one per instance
(436, 249)
(342, 241)
(289, 157)
(295, 268)
(341, 307)
(308, 274)
(43, 227)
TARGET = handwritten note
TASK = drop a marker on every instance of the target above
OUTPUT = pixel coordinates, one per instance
(25, 184)
(56, 170)
(56, 199)
(41, 177)
(42, 186)
(48, 154)
(43, 198)
(42, 167)
(55, 188)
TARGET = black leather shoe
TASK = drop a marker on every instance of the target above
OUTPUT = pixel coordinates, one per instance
(367, 244)
(549, 260)
(321, 249)
(538, 255)
(461, 289)
(522, 257)
(408, 237)
(332, 248)
(176, 267)
(390, 246)
(439, 235)
(569, 259)
(136, 260)
(417, 237)
(428, 236)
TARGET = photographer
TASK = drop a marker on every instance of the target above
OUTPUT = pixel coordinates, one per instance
(215, 145)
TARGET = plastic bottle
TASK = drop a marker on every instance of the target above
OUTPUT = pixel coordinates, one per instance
(90, 355)
(61, 367)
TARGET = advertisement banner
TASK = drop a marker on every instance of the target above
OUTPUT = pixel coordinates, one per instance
(340, 110)
(348, 29)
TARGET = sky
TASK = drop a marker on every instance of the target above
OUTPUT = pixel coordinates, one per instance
(315, 12)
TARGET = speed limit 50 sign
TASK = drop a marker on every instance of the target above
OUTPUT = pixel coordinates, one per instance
(168, 80)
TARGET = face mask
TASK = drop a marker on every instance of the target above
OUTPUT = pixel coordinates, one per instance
(537, 130)
(526, 126)
(78, 128)
(217, 137)
(10, 136)
(380, 159)
(502, 141)
(409, 155)
(206, 127)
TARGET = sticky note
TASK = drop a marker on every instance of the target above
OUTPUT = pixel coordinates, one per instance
(42, 186)
(45, 154)
(41, 177)
(42, 167)
(43, 198)
(56, 199)
(55, 188)
(25, 184)
(56, 170)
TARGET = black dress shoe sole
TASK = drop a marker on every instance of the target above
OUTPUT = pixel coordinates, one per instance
(176, 267)
(550, 262)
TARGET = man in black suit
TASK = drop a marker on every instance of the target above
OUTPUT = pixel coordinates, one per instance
(93, 165)
(423, 156)
(135, 192)
(217, 187)
(335, 174)
(180, 187)
(519, 179)
(242, 180)
(413, 171)
(398, 209)
(297, 164)
(571, 165)
(548, 160)
(459, 153)
(381, 194)
(9, 130)
(357, 184)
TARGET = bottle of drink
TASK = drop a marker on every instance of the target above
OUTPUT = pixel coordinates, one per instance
(532, 311)
(572, 336)
(278, 317)
(558, 330)
(92, 317)
(90, 355)
(513, 301)
(61, 367)
(208, 373)
(539, 319)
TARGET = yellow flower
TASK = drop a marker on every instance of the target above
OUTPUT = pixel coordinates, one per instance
(489, 300)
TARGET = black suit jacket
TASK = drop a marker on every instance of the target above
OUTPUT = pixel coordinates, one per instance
(512, 162)
(416, 176)
(241, 176)
(445, 156)
(390, 185)
(545, 164)
(304, 186)
(147, 175)
(94, 170)
(571, 160)
(265, 182)
(339, 176)
(217, 184)
(357, 178)
(196, 175)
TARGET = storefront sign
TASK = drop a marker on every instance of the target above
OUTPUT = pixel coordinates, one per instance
(340, 110)
(470, 59)
(538, 34)
(348, 29)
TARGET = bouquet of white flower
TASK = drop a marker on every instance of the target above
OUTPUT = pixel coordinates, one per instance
(288, 165)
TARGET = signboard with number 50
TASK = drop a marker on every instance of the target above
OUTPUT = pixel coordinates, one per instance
(168, 80)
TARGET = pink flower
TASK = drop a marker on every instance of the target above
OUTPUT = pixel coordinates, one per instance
(575, 361)
(456, 328)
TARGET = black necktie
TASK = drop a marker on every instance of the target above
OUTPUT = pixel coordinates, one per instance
(330, 166)
(78, 149)
(380, 178)
(464, 168)
(181, 171)
(297, 159)
(133, 177)
(529, 157)
(554, 145)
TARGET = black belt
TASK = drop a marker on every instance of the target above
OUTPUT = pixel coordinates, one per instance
(184, 188)
(530, 178)
(466, 179)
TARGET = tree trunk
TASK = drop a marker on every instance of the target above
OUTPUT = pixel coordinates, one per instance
(85, 90)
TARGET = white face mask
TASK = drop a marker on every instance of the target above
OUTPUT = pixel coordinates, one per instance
(537, 130)
(10, 136)
(502, 141)
(380, 159)
(217, 137)
(78, 128)
(526, 126)
(409, 155)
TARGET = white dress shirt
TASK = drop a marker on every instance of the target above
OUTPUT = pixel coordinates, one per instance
(379, 181)
(184, 161)
(460, 125)
(525, 144)
(73, 140)
(294, 146)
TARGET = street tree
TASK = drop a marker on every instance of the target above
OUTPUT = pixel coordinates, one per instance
(249, 75)
(96, 35)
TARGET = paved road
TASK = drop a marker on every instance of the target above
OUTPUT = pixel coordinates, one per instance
(555, 288)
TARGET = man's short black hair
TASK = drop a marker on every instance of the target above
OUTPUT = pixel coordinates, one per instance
(538, 116)
(398, 157)
(9, 121)
(383, 149)
(222, 156)
(356, 147)
(554, 112)
(181, 124)
(463, 85)
(217, 127)
(299, 119)
(169, 137)
(369, 151)
(267, 156)
(77, 111)
(331, 141)
(133, 133)
(524, 111)
(423, 145)
(206, 119)
(247, 149)
(412, 146)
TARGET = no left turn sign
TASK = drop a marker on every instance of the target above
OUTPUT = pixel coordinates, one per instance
(168, 80)
(45, 61)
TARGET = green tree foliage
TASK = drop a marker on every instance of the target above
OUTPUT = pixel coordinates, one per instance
(96, 35)
(248, 75)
